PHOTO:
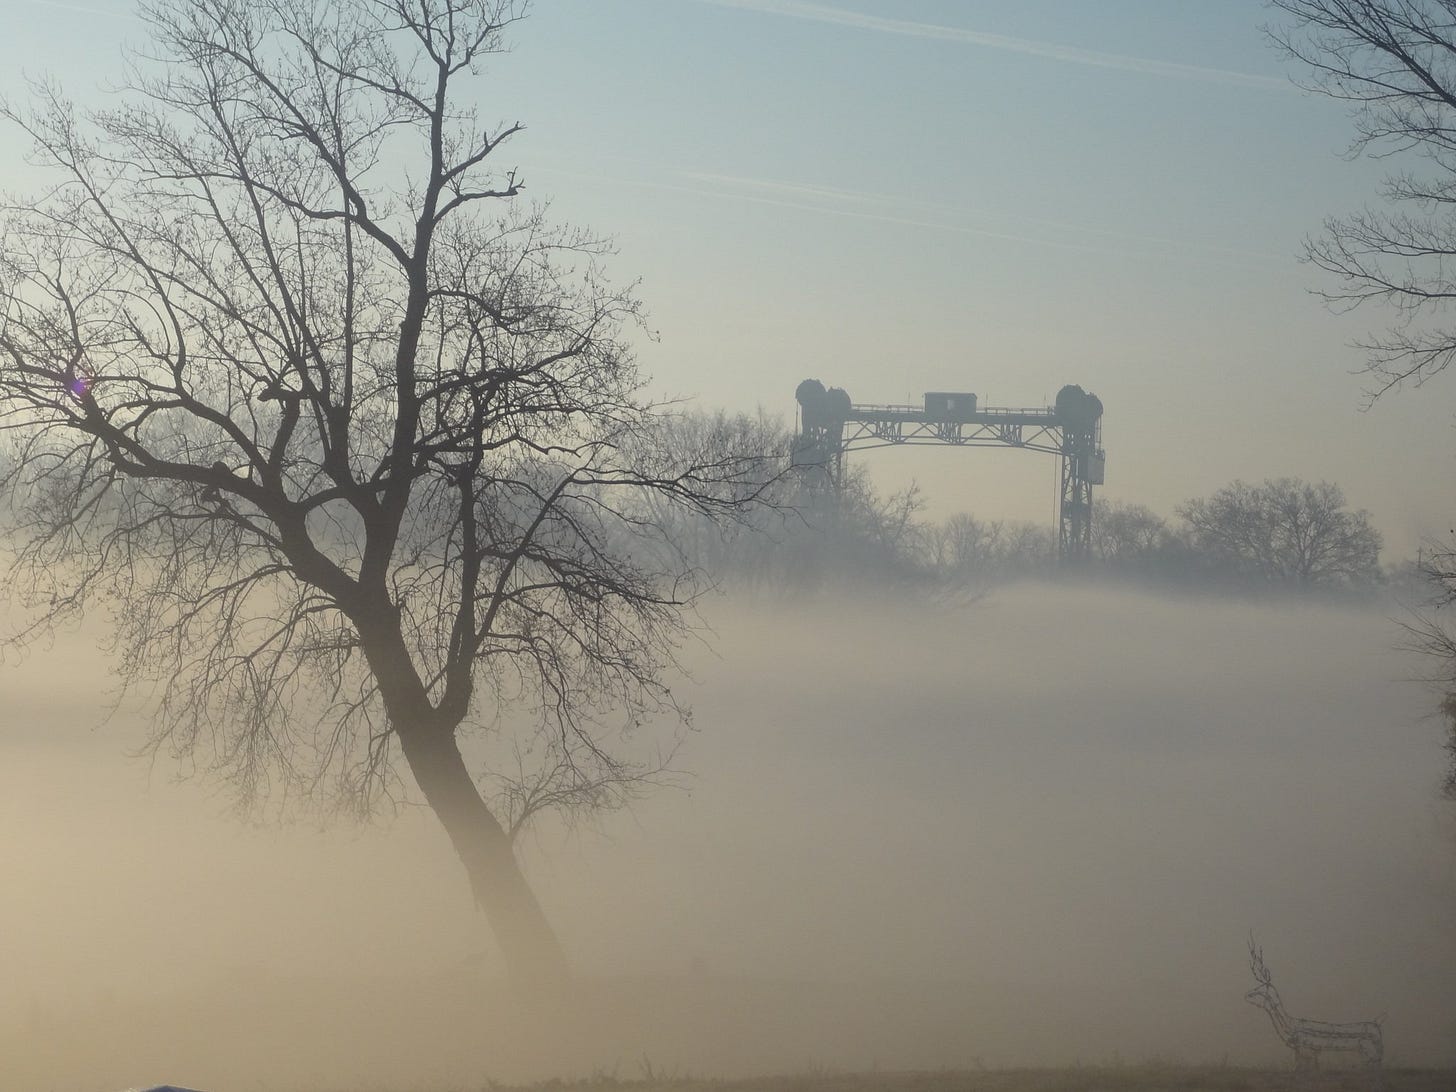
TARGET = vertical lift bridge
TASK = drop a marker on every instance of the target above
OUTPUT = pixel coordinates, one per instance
(830, 425)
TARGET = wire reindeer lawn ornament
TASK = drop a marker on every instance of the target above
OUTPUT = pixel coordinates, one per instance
(1311, 1038)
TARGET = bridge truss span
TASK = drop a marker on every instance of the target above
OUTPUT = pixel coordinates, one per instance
(888, 425)
(831, 425)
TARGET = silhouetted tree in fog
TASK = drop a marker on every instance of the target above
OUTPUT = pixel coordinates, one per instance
(1433, 635)
(1286, 531)
(349, 444)
(1126, 534)
(1448, 708)
(1394, 61)
(964, 545)
(758, 446)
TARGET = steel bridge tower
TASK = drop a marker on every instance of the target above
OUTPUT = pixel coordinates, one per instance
(831, 425)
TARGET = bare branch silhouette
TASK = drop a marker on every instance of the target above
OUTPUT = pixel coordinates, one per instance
(347, 441)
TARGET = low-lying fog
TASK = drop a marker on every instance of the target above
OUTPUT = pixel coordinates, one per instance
(1033, 829)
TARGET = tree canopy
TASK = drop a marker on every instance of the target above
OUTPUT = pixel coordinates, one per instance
(1286, 532)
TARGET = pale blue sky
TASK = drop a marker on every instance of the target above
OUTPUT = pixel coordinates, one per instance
(906, 195)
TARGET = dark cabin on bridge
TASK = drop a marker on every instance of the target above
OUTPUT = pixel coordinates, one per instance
(950, 405)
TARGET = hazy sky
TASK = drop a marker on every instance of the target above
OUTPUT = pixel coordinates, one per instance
(900, 197)
(952, 194)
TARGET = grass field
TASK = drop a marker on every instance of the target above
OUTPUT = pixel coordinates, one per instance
(617, 1035)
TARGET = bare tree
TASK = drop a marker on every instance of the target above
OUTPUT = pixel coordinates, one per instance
(1430, 634)
(1394, 61)
(1448, 710)
(1124, 534)
(963, 545)
(847, 529)
(349, 443)
(1286, 531)
(1433, 637)
(888, 523)
(758, 446)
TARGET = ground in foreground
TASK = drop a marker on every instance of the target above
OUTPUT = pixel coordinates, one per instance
(1119, 1078)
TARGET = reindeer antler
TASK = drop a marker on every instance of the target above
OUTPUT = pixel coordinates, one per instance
(1256, 962)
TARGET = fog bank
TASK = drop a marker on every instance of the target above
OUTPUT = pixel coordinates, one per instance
(1034, 829)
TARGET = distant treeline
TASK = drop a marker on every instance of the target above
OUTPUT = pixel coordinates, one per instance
(1282, 534)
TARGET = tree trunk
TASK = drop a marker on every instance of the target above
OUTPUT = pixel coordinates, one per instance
(533, 955)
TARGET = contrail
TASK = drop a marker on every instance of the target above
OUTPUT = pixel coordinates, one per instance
(824, 13)
(861, 203)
